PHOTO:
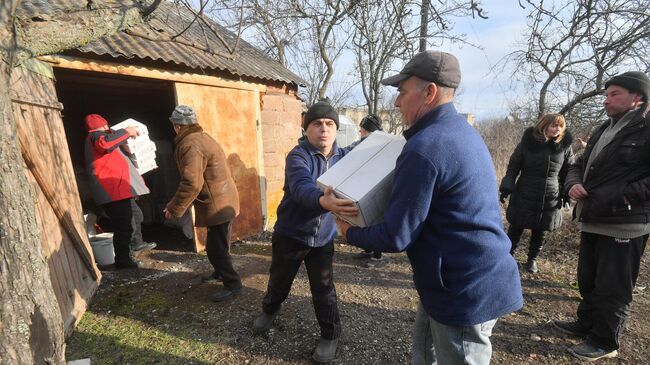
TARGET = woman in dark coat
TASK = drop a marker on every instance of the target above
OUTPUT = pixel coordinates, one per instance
(540, 161)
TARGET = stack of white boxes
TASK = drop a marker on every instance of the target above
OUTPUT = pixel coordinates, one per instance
(365, 175)
(141, 149)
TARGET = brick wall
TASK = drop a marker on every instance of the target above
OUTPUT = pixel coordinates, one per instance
(280, 132)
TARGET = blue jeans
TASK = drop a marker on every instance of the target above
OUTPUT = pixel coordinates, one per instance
(439, 344)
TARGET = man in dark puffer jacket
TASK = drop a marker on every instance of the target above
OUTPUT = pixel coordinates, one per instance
(611, 182)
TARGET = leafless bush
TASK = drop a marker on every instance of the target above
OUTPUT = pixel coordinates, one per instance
(501, 137)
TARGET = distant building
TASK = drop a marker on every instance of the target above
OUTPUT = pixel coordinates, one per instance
(470, 118)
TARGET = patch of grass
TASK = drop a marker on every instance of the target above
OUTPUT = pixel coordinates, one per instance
(116, 300)
(108, 339)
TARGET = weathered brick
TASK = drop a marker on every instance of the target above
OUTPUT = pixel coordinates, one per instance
(272, 102)
(270, 117)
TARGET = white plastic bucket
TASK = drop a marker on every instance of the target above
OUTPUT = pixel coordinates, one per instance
(103, 251)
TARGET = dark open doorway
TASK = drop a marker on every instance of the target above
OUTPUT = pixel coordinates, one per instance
(118, 98)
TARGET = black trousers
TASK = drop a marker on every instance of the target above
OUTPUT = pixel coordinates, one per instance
(288, 255)
(217, 248)
(607, 271)
(537, 240)
(121, 215)
(136, 222)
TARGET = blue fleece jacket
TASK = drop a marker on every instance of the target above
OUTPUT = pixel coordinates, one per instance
(443, 210)
(300, 216)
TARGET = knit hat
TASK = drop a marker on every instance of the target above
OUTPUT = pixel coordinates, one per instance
(371, 123)
(439, 67)
(634, 81)
(183, 115)
(320, 110)
(94, 121)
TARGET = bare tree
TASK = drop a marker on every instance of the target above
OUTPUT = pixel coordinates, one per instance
(324, 20)
(379, 38)
(274, 24)
(32, 327)
(573, 48)
(436, 20)
(388, 31)
(306, 36)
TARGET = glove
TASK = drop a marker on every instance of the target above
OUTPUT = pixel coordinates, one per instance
(503, 196)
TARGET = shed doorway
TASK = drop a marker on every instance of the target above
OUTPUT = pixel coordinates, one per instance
(117, 98)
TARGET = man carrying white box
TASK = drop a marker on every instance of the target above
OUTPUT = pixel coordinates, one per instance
(305, 230)
(141, 150)
(114, 183)
(444, 212)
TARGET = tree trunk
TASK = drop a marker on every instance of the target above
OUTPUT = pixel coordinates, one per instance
(31, 330)
(32, 327)
(424, 24)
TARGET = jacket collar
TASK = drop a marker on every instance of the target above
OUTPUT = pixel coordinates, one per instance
(429, 118)
(531, 142)
(314, 151)
(194, 128)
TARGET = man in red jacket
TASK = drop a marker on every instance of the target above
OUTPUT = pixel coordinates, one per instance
(114, 182)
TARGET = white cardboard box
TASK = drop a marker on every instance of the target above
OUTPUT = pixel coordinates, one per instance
(146, 168)
(141, 142)
(365, 175)
(141, 149)
(131, 123)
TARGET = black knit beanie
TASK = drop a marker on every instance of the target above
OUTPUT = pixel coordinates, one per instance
(371, 123)
(320, 110)
(634, 81)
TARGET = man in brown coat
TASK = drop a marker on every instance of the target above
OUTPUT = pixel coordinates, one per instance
(207, 183)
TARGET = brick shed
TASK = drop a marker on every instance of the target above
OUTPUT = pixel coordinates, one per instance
(246, 100)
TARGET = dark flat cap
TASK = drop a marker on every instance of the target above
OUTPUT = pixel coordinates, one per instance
(435, 66)
(634, 81)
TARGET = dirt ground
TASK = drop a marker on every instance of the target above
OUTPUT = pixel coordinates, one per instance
(162, 314)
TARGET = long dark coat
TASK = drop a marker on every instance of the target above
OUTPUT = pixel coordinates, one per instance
(535, 200)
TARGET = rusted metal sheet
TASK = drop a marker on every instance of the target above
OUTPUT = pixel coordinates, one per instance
(41, 132)
(197, 47)
(230, 116)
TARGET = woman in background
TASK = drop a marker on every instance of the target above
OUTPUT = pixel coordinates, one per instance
(539, 166)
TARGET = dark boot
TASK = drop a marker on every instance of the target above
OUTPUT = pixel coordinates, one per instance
(531, 266)
(264, 321)
(325, 350)
(537, 238)
(127, 263)
(514, 234)
(225, 294)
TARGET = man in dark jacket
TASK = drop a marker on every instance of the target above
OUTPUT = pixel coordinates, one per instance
(206, 183)
(114, 182)
(611, 183)
(305, 230)
(443, 210)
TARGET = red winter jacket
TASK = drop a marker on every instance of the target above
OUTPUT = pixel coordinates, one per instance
(113, 176)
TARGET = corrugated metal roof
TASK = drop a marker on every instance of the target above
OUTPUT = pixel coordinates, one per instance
(198, 47)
